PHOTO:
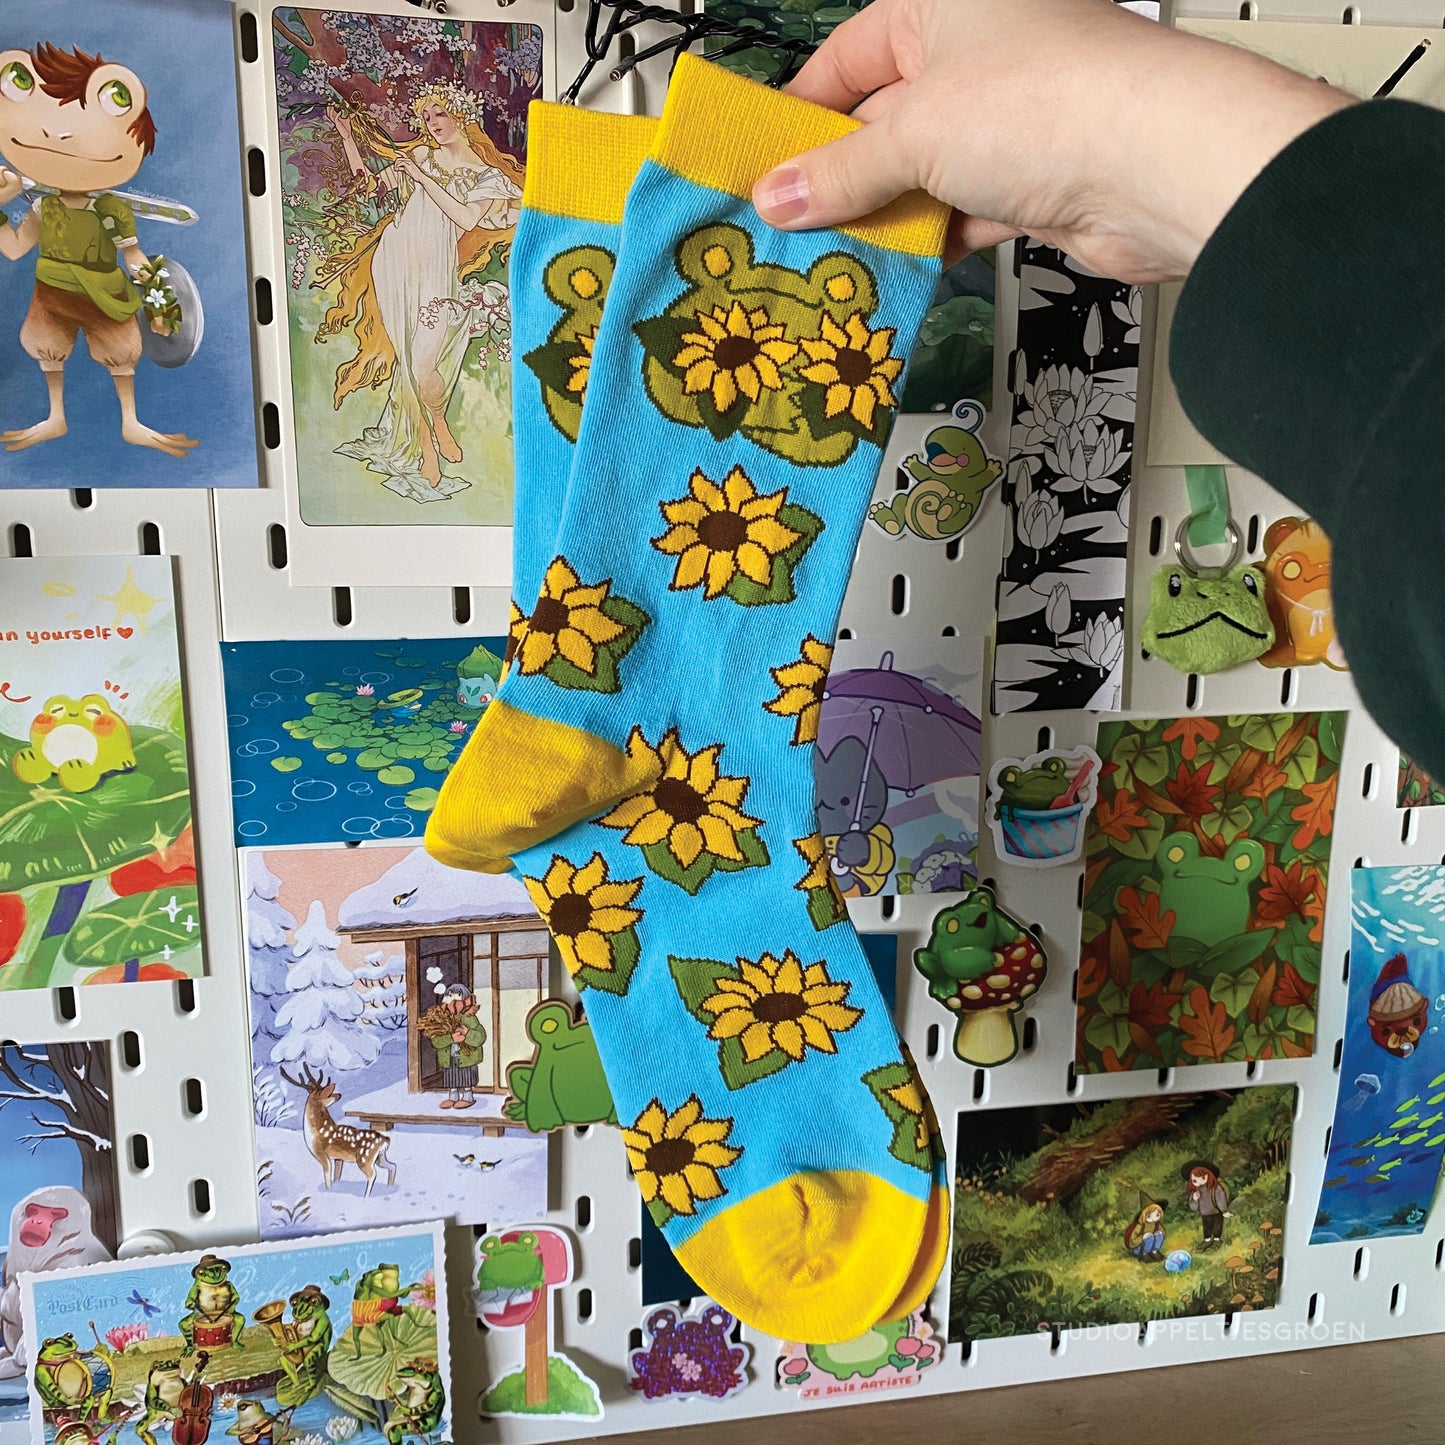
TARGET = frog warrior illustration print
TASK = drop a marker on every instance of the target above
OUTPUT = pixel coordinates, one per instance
(74, 129)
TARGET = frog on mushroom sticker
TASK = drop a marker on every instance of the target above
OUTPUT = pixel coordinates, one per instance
(74, 129)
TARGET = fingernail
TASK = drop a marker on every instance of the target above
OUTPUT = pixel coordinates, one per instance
(782, 195)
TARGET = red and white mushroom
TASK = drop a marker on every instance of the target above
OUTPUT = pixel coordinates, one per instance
(986, 1034)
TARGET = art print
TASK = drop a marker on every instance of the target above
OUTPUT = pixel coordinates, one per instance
(1388, 1137)
(342, 1338)
(97, 865)
(403, 148)
(1075, 374)
(897, 761)
(57, 1183)
(392, 999)
(125, 307)
(1415, 788)
(1204, 890)
(339, 741)
(1153, 1208)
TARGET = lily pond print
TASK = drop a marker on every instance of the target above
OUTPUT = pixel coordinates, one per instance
(335, 742)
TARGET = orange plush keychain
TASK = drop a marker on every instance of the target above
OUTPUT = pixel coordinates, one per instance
(1297, 594)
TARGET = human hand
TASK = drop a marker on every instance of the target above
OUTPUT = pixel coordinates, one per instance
(1074, 121)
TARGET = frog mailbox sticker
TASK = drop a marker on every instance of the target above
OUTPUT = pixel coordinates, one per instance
(1205, 865)
(516, 1272)
(97, 867)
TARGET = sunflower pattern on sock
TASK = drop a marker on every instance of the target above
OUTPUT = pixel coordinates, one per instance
(766, 1012)
(678, 1158)
(578, 632)
(690, 823)
(826, 905)
(800, 689)
(785, 357)
(590, 917)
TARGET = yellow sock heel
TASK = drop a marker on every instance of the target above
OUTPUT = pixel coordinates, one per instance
(929, 1261)
(523, 778)
(814, 1257)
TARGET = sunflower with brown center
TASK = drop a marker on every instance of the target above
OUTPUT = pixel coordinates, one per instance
(733, 354)
(567, 622)
(586, 912)
(855, 366)
(717, 532)
(692, 808)
(676, 1157)
(775, 1003)
(801, 686)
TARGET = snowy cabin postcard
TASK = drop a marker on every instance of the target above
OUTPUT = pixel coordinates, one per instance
(388, 995)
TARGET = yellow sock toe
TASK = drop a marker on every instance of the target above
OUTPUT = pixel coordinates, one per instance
(816, 1257)
(929, 1261)
(522, 779)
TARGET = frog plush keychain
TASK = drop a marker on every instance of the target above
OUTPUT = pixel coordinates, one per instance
(1204, 619)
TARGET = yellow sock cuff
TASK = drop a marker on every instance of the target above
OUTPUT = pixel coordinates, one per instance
(723, 130)
(582, 163)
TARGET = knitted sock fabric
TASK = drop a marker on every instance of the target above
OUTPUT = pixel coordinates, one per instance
(777, 1133)
(581, 165)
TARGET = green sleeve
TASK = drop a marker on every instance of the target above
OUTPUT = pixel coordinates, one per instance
(112, 208)
(1309, 347)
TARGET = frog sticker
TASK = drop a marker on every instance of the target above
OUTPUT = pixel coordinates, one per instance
(1038, 806)
(1205, 624)
(1209, 897)
(944, 484)
(564, 1083)
(507, 1269)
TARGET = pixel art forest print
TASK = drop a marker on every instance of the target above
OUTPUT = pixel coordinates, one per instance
(403, 144)
(1204, 890)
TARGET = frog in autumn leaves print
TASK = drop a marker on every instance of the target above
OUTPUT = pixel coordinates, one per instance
(789, 360)
(946, 483)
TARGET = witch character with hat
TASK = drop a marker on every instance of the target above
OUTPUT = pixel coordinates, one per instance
(1144, 1238)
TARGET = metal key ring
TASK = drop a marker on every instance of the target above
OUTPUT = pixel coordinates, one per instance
(1199, 569)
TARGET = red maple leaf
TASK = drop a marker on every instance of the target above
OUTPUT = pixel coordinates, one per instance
(1286, 892)
(1316, 815)
(1151, 1005)
(1141, 917)
(1192, 730)
(1191, 789)
(1119, 816)
(1264, 782)
(1208, 1026)
(1290, 989)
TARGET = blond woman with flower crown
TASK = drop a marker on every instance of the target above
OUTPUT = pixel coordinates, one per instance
(449, 201)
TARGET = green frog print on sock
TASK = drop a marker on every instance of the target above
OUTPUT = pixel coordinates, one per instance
(790, 359)
(1209, 897)
(577, 281)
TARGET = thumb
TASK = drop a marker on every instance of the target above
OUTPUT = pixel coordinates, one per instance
(838, 182)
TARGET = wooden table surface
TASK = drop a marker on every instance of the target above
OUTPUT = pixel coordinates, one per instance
(1345, 1395)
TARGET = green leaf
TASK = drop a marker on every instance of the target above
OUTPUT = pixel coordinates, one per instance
(626, 950)
(1104, 1032)
(1234, 953)
(337, 758)
(1331, 734)
(904, 1144)
(286, 765)
(697, 979)
(422, 800)
(1234, 990)
(396, 776)
(367, 1358)
(745, 591)
(1264, 732)
(658, 857)
(138, 926)
(48, 835)
(373, 760)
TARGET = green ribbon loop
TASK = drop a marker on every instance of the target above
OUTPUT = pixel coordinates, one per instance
(1208, 505)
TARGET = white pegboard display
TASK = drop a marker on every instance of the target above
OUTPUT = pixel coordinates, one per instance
(247, 569)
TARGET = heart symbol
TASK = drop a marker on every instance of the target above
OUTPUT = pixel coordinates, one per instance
(125, 631)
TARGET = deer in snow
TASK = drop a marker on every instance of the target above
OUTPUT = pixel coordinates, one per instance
(336, 1145)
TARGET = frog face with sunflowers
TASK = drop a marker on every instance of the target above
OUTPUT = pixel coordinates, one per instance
(792, 360)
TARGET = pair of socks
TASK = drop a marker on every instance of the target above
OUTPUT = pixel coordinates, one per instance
(683, 541)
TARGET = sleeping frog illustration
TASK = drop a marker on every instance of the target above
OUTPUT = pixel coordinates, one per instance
(1206, 624)
(1209, 897)
(77, 742)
